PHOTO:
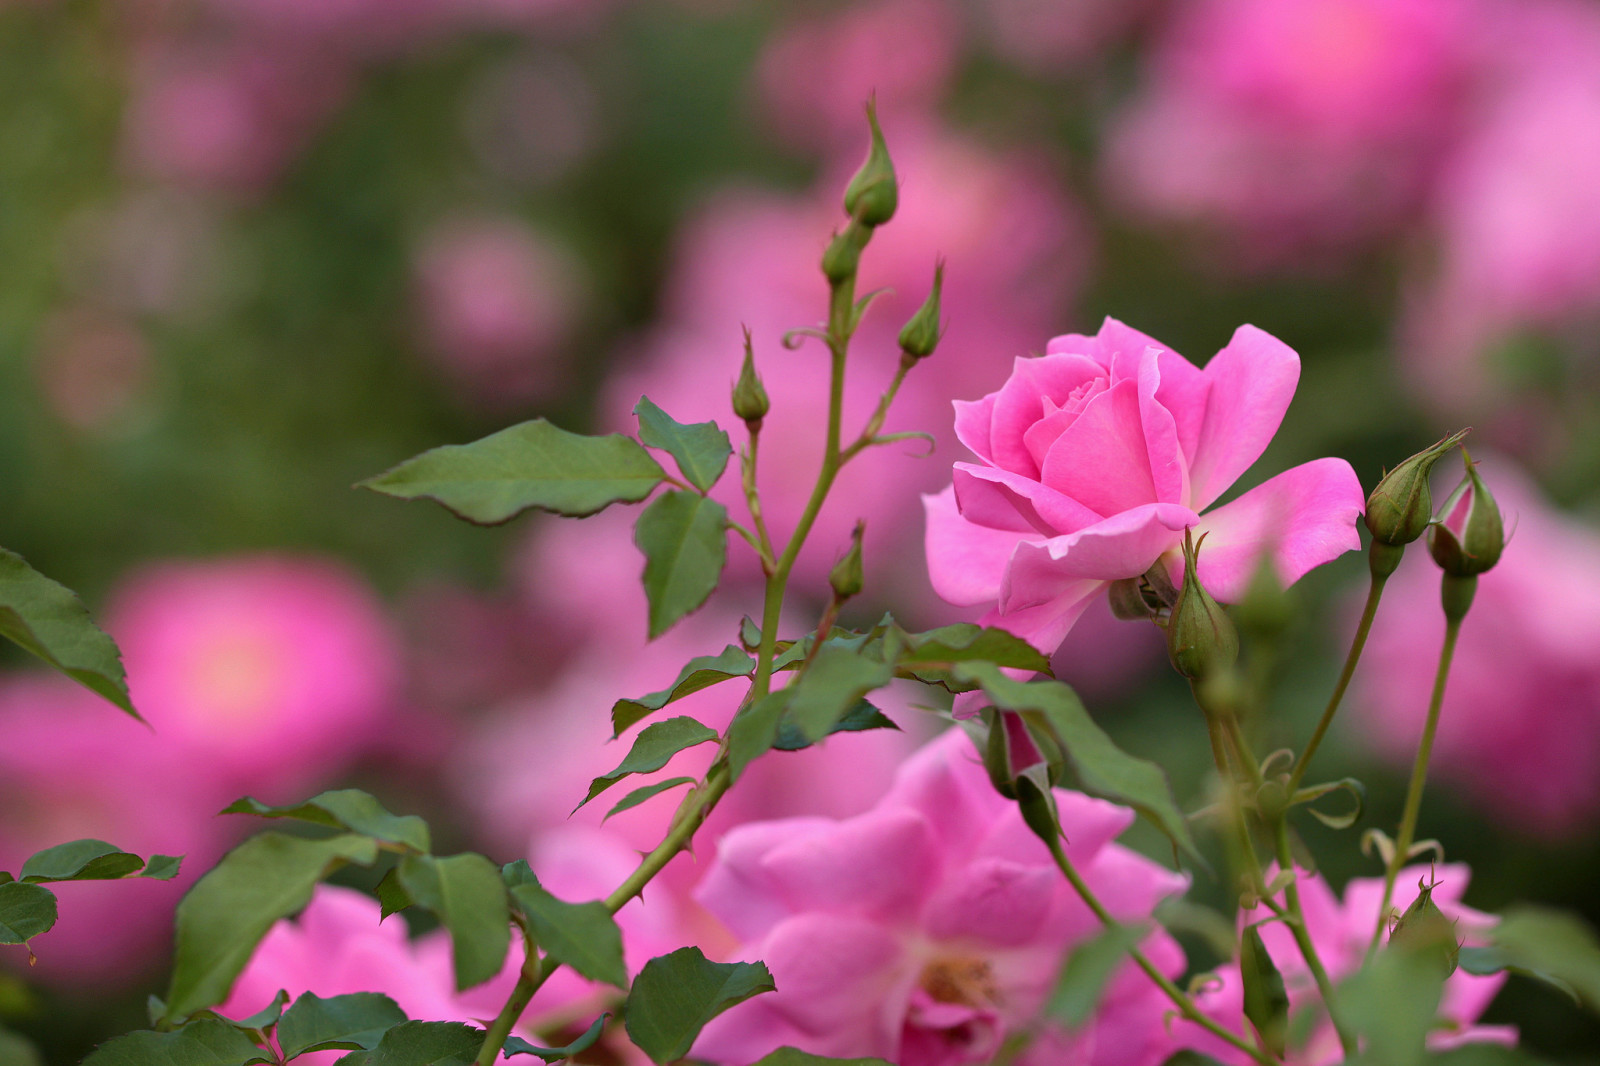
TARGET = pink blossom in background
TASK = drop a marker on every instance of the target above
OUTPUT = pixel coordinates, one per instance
(931, 927)
(1094, 459)
(1341, 931)
(498, 304)
(1058, 38)
(93, 368)
(532, 119)
(1294, 129)
(267, 672)
(1519, 733)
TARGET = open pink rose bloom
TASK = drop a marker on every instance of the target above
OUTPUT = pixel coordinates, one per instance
(1095, 457)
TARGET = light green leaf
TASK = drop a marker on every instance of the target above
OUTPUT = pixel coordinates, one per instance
(515, 1045)
(466, 892)
(1102, 768)
(1266, 1003)
(224, 916)
(426, 1044)
(163, 867)
(581, 935)
(49, 620)
(1392, 1001)
(357, 1020)
(346, 808)
(684, 539)
(835, 682)
(1550, 945)
(208, 1042)
(1357, 791)
(699, 673)
(700, 448)
(392, 895)
(80, 860)
(533, 464)
(675, 995)
(788, 1056)
(25, 911)
(1089, 970)
(755, 730)
(639, 795)
(652, 749)
(965, 641)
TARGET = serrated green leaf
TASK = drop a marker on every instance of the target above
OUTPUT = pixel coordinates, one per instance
(788, 1056)
(265, 1018)
(208, 1042)
(466, 892)
(80, 860)
(583, 936)
(835, 682)
(860, 718)
(25, 911)
(392, 895)
(357, 1020)
(639, 795)
(698, 673)
(755, 730)
(675, 995)
(515, 1045)
(965, 641)
(1550, 945)
(163, 867)
(47, 619)
(533, 464)
(346, 808)
(1266, 1003)
(1102, 768)
(701, 449)
(652, 749)
(224, 916)
(684, 539)
(1089, 970)
(427, 1044)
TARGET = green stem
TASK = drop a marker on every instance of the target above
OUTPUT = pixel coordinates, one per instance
(752, 497)
(528, 982)
(870, 433)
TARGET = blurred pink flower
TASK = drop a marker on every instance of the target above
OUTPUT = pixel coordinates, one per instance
(92, 368)
(928, 929)
(498, 302)
(1058, 37)
(1095, 458)
(1519, 733)
(1341, 931)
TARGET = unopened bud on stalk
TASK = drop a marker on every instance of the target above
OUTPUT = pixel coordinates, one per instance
(1401, 507)
(1425, 930)
(1201, 640)
(749, 397)
(873, 194)
(843, 255)
(921, 335)
(845, 578)
(1469, 536)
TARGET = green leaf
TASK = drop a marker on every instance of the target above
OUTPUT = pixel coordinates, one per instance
(831, 687)
(788, 1056)
(749, 633)
(1266, 1003)
(1187, 1057)
(639, 795)
(964, 642)
(515, 1045)
(699, 673)
(755, 730)
(80, 860)
(25, 911)
(652, 749)
(254, 1024)
(16, 1051)
(700, 448)
(1358, 793)
(427, 1044)
(346, 808)
(1391, 1001)
(684, 539)
(1102, 768)
(48, 619)
(392, 895)
(584, 936)
(357, 1020)
(466, 892)
(533, 464)
(860, 718)
(675, 995)
(1550, 945)
(163, 867)
(208, 1042)
(1089, 969)
(224, 916)
(1486, 1055)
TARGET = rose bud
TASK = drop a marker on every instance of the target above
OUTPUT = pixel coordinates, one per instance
(921, 335)
(1401, 507)
(873, 194)
(1201, 640)
(1425, 930)
(750, 400)
(1469, 536)
(845, 578)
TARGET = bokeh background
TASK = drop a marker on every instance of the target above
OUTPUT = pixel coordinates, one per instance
(252, 251)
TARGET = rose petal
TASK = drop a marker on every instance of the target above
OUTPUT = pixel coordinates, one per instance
(1047, 624)
(1101, 460)
(1251, 382)
(1003, 500)
(965, 561)
(1124, 545)
(973, 421)
(739, 889)
(876, 865)
(1020, 403)
(1169, 465)
(997, 901)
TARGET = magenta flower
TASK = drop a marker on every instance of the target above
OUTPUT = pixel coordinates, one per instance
(1095, 457)
(928, 929)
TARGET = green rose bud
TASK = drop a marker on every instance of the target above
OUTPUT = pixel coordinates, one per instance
(1201, 640)
(843, 255)
(845, 578)
(749, 397)
(921, 335)
(873, 194)
(1425, 930)
(1400, 508)
(1469, 536)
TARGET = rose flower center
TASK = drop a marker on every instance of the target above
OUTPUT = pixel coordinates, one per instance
(964, 980)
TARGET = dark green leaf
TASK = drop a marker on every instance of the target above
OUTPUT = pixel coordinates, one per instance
(265, 1018)
(862, 717)
(755, 730)
(357, 1020)
(675, 995)
(749, 633)
(80, 860)
(224, 916)
(208, 1042)
(533, 464)
(15, 1051)
(427, 1044)
(699, 673)
(1486, 1055)
(49, 620)
(1391, 1001)
(466, 892)
(684, 539)
(1187, 1057)
(700, 448)
(1551, 945)
(1089, 969)
(652, 749)
(1266, 1003)
(163, 867)
(788, 1056)
(1102, 768)
(346, 808)
(964, 642)
(639, 795)
(583, 936)
(25, 911)
(517, 873)
(392, 895)
(515, 1045)
(831, 687)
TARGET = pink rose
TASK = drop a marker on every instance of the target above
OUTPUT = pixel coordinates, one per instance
(1096, 456)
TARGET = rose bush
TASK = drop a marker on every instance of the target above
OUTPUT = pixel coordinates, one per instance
(1095, 457)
